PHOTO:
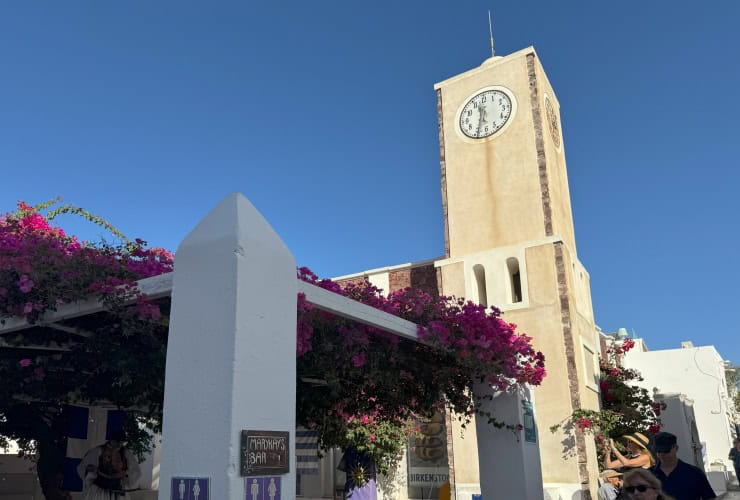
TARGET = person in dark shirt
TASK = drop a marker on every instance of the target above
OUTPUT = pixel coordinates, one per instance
(735, 457)
(679, 479)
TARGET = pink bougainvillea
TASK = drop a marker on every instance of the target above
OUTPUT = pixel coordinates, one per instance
(117, 356)
(360, 387)
(460, 343)
(42, 267)
(625, 406)
(583, 423)
(477, 336)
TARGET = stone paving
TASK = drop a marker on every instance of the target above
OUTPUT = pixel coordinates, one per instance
(733, 492)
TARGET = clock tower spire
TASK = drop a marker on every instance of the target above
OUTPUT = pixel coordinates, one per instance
(490, 33)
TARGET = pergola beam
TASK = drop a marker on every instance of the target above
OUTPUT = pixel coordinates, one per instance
(154, 288)
(161, 286)
(52, 346)
(69, 329)
(351, 309)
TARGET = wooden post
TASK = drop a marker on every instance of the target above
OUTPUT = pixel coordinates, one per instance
(231, 356)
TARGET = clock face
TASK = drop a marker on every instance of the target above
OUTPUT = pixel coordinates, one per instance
(552, 122)
(486, 113)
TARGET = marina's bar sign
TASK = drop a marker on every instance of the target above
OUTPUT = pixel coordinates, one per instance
(264, 453)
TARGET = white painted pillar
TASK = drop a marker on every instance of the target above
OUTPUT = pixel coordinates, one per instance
(509, 461)
(231, 356)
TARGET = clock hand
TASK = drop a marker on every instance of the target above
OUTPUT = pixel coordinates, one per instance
(481, 119)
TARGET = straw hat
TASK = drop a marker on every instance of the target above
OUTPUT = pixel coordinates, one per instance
(639, 439)
(643, 442)
(609, 473)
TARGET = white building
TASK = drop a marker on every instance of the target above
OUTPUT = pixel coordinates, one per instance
(678, 417)
(699, 374)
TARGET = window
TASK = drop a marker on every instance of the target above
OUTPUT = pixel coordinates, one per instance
(480, 279)
(590, 365)
(515, 280)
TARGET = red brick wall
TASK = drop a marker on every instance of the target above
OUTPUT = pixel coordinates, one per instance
(355, 281)
(423, 277)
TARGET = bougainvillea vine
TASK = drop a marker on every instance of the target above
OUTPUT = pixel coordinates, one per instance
(359, 387)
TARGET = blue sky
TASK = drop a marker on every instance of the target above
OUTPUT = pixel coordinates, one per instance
(323, 114)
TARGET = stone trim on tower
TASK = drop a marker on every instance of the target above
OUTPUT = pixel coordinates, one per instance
(450, 455)
(565, 319)
(540, 144)
(443, 170)
(570, 364)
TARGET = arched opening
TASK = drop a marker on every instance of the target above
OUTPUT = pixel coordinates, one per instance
(515, 279)
(480, 279)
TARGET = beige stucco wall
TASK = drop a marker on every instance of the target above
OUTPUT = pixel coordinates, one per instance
(503, 203)
(465, 453)
(459, 278)
(503, 169)
(542, 321)
(540, 316)
(453, 279)
(586, 348)
(557, 174)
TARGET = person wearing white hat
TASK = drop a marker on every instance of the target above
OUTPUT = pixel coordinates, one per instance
(612, 485)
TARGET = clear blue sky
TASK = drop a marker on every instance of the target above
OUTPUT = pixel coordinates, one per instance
(323, 114)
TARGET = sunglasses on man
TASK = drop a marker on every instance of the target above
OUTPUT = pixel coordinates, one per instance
(642, 488)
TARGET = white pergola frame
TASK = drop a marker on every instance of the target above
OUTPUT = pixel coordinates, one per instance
(160, 286)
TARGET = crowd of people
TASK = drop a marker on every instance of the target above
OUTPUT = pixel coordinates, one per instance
(651, 470)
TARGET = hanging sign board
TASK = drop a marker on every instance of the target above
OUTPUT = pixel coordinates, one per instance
(264, 453)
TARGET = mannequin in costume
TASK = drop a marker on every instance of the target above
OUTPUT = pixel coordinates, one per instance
(109, 470)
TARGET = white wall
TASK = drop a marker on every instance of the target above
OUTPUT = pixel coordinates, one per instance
(231, 351)
(678, 416)
(697, 372)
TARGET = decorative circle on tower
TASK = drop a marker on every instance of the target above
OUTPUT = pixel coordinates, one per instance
(553, 122)
(487, 112)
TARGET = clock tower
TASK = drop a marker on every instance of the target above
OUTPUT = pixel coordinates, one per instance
(498, 125)
(509, 242)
